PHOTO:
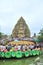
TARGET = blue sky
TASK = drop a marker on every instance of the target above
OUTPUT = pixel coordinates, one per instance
(12, 10)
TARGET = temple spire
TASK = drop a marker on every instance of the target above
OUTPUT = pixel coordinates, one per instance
(21, 29)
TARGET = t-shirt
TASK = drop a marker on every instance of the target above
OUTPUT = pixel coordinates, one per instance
(15, 48)
(2, 48)
(24, 48)
(31, 46)
(19, 47)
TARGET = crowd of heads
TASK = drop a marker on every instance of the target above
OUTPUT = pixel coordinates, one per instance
(19, 47)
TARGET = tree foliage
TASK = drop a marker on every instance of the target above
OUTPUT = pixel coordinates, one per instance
(40, 37)
(0, 35)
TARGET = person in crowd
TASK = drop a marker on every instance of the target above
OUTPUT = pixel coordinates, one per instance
(31, 46)
(19, 47)
(23, 47)
(38, 46)
(1, 47)
(15, 47)
(27, 47)
(9, 47)
(12, 48)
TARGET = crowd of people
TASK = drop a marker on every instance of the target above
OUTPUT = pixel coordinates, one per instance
(15, 47)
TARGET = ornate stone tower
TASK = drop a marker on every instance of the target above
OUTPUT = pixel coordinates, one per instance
(21, 29)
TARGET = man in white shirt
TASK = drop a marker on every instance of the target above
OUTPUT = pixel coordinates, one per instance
(19, 47)
(31, 46)
(15, 48)
(2, 47)
(24, 47)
